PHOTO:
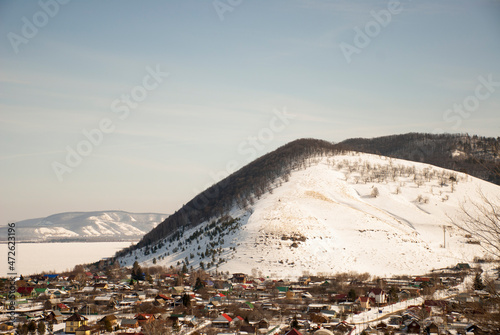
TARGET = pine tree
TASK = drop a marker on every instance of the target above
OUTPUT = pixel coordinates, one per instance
(40, 329)
(137, 273)
(186, 300)
(199, 284)
(478, 282)
(32, 327)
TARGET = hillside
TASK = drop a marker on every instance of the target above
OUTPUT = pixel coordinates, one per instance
(241, 188)
(475, 155)
(334, 212)
(96, 226)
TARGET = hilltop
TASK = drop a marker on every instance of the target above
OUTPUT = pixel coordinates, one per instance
(475, 155)
(324, 210)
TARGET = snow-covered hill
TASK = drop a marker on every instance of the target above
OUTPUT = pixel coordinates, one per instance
(86, 226)
(353, 212)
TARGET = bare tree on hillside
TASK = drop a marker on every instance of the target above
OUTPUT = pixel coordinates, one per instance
(482, 221)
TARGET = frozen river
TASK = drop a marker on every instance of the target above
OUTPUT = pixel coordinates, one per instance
(33, 258)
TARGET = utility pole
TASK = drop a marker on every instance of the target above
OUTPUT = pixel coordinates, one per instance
(444, 236)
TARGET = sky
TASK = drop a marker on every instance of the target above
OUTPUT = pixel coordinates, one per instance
(140, 105)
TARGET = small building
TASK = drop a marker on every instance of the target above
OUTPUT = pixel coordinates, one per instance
(343, 328)
(104, 300)
(55, 317)
(5, 327)
(263, 324)
(239, 278)
(379, 295)
(112, 319)
(413, 328)
(316, 308)
(74, 322)
(462, 266)
(364, 302)
(144, 318)
(223, 321)
(129, 323)
(62, 308)
(431, 329)
(26, 291)
(83, 330)
(100, 286)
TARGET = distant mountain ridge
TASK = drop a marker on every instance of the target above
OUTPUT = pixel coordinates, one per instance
(97, 226)
(475, 155)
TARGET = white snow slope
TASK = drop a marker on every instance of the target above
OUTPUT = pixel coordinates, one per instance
(86, 226)
(337, 224)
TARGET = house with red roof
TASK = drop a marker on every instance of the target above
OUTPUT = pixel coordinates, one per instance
(293, 332)
(218, 297)
(223, 321)
(340, 297)
(62, 308)
(26, 291)
(144, 318)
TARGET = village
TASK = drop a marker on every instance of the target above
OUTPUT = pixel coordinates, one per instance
(159, 300)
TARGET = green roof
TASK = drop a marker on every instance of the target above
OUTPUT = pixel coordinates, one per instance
(282, 288)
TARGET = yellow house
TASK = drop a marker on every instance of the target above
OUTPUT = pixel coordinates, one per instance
(83, 330)
(73, 322)
(7, 329)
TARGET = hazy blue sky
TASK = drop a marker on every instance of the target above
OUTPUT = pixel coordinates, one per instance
(244, 77)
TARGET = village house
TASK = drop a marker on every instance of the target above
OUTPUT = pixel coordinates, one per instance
(129, 323)
(55, 317)
(26, 291)
(413, 327)
(74, 322)
(106, 300)
(379, 295)
(431, 329)
(223, 321)
(111, 319)
(365, 302)
(239, 278)
(144, 318)
(83, 330)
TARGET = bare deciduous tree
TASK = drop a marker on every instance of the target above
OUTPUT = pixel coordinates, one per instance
(481, 219)
(156, 328)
